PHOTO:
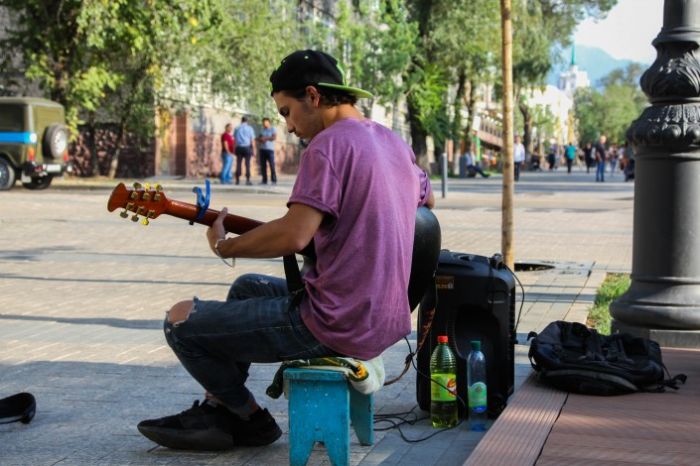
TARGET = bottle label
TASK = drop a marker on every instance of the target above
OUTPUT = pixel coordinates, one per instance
(438, 392)
(477, 397)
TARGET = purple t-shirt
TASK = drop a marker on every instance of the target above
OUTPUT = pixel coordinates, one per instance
(364, 178)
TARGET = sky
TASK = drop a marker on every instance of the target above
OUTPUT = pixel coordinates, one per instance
(627, 30)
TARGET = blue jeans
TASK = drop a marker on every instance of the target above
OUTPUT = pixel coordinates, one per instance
(227, 160)
(267, 157)
(257, 323)
(600, 171)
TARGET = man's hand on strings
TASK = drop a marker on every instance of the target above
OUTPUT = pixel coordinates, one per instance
(216, 231)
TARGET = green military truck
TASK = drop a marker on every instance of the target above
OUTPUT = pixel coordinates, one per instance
(33, 142)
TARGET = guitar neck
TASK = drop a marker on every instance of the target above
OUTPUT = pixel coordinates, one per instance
(232, 223)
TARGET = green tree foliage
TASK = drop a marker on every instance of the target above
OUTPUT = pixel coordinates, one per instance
(80, 53)
(236, 53)
(374, 40)
(540, 26)
(587, 101)
(455, 45)
(428, 87)
(465, 35)
(612, 110)
(118, 59)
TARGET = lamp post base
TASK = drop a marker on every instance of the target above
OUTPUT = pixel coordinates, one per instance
(664, 337)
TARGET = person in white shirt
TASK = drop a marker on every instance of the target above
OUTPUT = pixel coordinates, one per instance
(518, 156)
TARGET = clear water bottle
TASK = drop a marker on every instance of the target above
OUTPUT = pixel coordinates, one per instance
(443, 394)
(476, 387)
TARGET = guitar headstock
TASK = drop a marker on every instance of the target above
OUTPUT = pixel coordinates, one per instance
(144, 200)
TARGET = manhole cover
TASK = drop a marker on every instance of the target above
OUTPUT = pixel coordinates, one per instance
(532, 266)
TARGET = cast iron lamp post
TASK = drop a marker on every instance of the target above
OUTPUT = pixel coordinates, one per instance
(664, 298)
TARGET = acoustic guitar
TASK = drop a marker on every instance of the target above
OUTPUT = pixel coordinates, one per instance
(144, 203)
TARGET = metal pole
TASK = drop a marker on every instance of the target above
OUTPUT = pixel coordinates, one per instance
(443, 169)
(664, 298)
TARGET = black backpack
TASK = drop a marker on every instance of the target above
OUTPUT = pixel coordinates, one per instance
(575, 358)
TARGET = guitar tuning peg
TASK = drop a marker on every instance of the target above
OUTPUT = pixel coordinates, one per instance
(145, 221)
(124, 214)
(147, 186)
(146, 196)
(137, 185)
(159, 188)
(135, 218)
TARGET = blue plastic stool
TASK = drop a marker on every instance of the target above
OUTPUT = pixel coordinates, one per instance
(322, 404)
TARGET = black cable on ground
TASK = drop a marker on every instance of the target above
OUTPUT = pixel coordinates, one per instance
(522, 299)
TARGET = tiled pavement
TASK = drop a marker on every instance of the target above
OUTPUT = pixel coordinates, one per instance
(83, 292)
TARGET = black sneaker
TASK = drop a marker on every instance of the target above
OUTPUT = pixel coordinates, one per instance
(206, 427)
(260, 429)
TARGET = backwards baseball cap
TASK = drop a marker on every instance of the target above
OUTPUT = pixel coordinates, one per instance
(311, 68)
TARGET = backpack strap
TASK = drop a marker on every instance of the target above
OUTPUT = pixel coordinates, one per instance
(531, 352)
(672, 382)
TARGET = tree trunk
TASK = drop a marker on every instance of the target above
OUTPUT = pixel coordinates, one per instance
(457, 107)
(507, 200)
(418, 135)
(527, 126)
(438, 150)
(471, 103)
(125, 113)
(114, 163)
(92, 145)
(421, 11)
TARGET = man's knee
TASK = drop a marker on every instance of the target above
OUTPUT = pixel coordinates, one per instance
(180, 312)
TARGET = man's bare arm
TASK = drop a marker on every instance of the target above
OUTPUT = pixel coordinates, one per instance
(280, 237)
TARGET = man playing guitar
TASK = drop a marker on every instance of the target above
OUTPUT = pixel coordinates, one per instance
(355, 195)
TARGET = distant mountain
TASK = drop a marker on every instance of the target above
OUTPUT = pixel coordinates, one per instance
(594, 61)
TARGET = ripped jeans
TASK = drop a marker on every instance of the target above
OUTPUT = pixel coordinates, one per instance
(257, 323)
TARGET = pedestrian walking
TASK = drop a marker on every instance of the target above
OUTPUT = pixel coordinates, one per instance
(245, 147)
(552, 155)
(588, 156)
(628, 157)
(266, 139)
(601, 153)
(570, 155)
(613, 158)
(518, 156)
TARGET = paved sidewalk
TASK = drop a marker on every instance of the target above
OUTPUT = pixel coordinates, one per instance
(83, 293)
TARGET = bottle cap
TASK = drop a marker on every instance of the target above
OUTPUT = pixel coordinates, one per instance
(442, 339)
(476, 345)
